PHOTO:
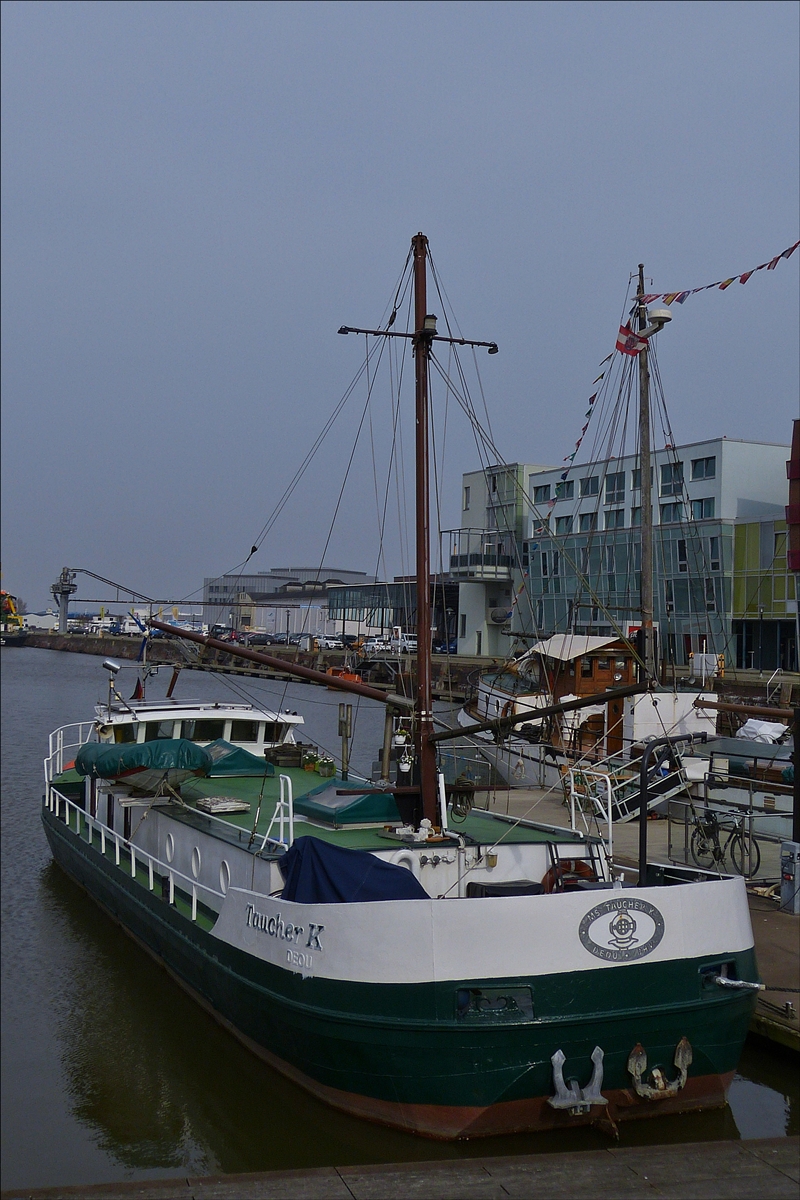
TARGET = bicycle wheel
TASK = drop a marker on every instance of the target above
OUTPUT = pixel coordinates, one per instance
(739, 857)
(703, 848)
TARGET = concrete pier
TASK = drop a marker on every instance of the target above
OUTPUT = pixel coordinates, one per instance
(766, 1169)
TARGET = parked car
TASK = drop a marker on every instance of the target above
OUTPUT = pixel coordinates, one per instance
(445, 647)
(329, 643)
(261, 639)
(377, 646)
(405, 644)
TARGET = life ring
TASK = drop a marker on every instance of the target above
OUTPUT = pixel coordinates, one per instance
(507, 707)
(567, 870)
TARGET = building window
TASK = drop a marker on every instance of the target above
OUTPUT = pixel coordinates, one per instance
(466, 498)
(669, 596)
(615, 487)
(478, 640)
(683, 564)
(636, 516)
(615, 518)
(494, 484)
(462, 631)
(556, 563)
(565, 490)
(704, 468)
(671, 514)
(563, 525)
(636, 478)
(703, 510)
(711, 599)
(590, 486)
(672, 479)
(611, 560)
(713, 553)
(779, 544)
(541, 494)
(544, 565)
(588, 522)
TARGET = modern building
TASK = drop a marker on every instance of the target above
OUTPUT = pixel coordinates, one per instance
(285, 599)
(765, 617)
(565, 554)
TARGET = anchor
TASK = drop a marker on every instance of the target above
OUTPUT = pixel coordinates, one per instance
(574, 1099)
(661, 1089)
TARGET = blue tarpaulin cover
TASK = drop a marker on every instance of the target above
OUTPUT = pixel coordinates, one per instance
(103, 760)
(315, 872)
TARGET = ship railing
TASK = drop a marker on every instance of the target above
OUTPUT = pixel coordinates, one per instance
(78, 820)
(64, 744)
(727, 837)
(597, 787)
(283, 817)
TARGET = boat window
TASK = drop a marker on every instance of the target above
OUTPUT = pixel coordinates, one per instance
(620, 664)
(155, 731)
(586, 668)
(126, 733)
(604, 664)
(203, 731)
(244, 731)
(274, 731)
(494, 1004)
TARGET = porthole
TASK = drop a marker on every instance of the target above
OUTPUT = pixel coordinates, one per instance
(224, 877)
(170, 847)
(196, 862)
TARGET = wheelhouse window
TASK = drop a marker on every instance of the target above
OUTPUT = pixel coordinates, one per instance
(587, 668)
(244, 731)
(126, 733)
(156, 731)
(274, 731)
(203, 731)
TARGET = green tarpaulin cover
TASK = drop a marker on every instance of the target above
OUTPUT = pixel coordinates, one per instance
(325, 803)
(233, 760)
(101, 760)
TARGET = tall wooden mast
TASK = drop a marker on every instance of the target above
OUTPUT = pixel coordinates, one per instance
(424, 332)
(646, 480)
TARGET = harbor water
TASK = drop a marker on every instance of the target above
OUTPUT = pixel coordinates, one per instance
(110, 1072)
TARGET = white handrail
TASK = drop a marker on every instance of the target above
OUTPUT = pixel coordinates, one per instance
(53, 801)
(284, 815)
(603, 779)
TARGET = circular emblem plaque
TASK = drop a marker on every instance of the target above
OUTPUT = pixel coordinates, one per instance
(622, 929)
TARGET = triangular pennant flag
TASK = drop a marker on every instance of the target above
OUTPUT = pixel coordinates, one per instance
(788, 253)
(593, 398)
(670, 296)
(744, 278)
(772, 265)
(726, 283)
(599, 377)
(608, 356)
(681, 296)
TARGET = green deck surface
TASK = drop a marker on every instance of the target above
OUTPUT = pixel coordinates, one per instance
(481, 827)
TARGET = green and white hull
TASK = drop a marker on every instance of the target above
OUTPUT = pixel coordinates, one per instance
(450, 1017)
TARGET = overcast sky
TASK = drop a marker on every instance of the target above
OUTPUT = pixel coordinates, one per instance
(197, 195)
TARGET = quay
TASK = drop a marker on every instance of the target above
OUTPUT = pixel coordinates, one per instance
(764, 1169)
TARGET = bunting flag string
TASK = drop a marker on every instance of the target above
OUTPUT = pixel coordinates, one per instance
(628, 343)
(721, 284)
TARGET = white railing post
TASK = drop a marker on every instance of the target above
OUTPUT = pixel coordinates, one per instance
(150, 872)
(194, 902)
(171, 888)
(116, 849)
(133, 861)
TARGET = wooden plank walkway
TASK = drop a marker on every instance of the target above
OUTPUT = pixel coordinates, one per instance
(767, 1169)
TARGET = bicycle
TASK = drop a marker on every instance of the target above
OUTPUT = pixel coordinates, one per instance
(707, 850)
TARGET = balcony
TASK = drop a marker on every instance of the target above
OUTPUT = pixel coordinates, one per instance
(479, 553)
